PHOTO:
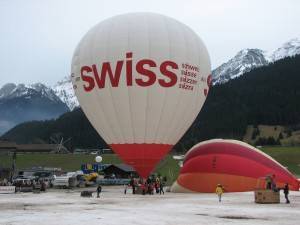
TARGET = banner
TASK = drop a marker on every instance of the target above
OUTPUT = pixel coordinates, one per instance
(7, 189)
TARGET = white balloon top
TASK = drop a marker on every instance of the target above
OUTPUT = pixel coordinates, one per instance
(141, 78)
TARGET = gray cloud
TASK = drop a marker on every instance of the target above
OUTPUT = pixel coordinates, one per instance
(38, 37)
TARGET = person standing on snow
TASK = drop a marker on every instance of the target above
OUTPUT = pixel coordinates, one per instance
(99, 189)
(219, 191)
(161, 187)
(157, 184)
(132, 184)
(286, 193)
(125, 188)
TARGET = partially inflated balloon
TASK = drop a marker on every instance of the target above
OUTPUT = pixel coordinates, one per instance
(234, 164)
(141, 79)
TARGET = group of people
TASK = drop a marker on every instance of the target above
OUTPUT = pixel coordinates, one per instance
(142, 186)
(154, 184)
(271, 185)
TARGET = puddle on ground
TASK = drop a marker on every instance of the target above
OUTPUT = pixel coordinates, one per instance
(240, 218)
(232, 217)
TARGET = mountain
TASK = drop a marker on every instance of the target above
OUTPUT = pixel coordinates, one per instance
(73, 124)
(289, 48)
(266, 95)
(64, 90)
(244, 61)
(19, 103)
(248, 59)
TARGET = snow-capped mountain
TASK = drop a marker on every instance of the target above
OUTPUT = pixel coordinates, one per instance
(64, 90)
(289, 48)
(20, 103)
(10, 91)
(248, 59)
(242, 62)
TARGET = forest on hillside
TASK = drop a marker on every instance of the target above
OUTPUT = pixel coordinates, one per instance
(267, 95)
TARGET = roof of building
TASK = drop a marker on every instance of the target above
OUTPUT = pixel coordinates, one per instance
(7, 145)
(12, 146)
(36, 147)
(124, 167)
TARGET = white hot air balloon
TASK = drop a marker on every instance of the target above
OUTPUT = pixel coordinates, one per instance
(98, 159)
(141, 79)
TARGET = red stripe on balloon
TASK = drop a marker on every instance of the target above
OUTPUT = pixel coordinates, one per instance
(230, 164)
(227, 148)
(235, 165)
(207, 182)
(142, 157)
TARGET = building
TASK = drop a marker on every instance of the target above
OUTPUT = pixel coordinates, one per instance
(41, 148)
(8, 147)
(5, 173)
(120, 171)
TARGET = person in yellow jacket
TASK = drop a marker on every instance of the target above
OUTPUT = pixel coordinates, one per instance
(219, 191)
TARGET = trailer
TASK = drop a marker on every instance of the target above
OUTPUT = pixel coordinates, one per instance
(7, 189)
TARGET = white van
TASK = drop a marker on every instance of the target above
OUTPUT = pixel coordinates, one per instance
(67, 180)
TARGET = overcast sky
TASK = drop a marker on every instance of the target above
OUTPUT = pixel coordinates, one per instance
(38, 37)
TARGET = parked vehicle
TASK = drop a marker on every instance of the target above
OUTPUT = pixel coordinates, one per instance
(68, 180)
(94, 153)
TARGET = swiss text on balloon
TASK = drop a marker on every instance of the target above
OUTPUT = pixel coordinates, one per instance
(95, 75)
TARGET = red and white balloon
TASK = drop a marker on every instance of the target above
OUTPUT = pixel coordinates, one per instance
(141, 79)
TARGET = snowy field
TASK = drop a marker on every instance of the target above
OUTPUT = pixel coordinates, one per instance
(61, 207)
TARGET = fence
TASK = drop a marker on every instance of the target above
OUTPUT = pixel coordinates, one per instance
(112, 181)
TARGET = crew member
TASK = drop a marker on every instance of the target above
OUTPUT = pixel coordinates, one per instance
(219, 191)
(99, 189)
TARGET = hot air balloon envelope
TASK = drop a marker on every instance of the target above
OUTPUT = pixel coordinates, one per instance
(234, 164)
(141, 79)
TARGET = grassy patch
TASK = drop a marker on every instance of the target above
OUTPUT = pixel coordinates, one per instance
(287, 156)
(72, 162)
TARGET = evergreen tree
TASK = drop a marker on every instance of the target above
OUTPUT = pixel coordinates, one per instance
(266, 95)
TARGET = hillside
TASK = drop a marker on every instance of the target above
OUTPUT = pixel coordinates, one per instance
(267, 95)
(20, 103)
(270, 135)
(72, 125)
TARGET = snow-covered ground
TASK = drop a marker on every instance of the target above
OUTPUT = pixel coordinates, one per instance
(59, 207)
